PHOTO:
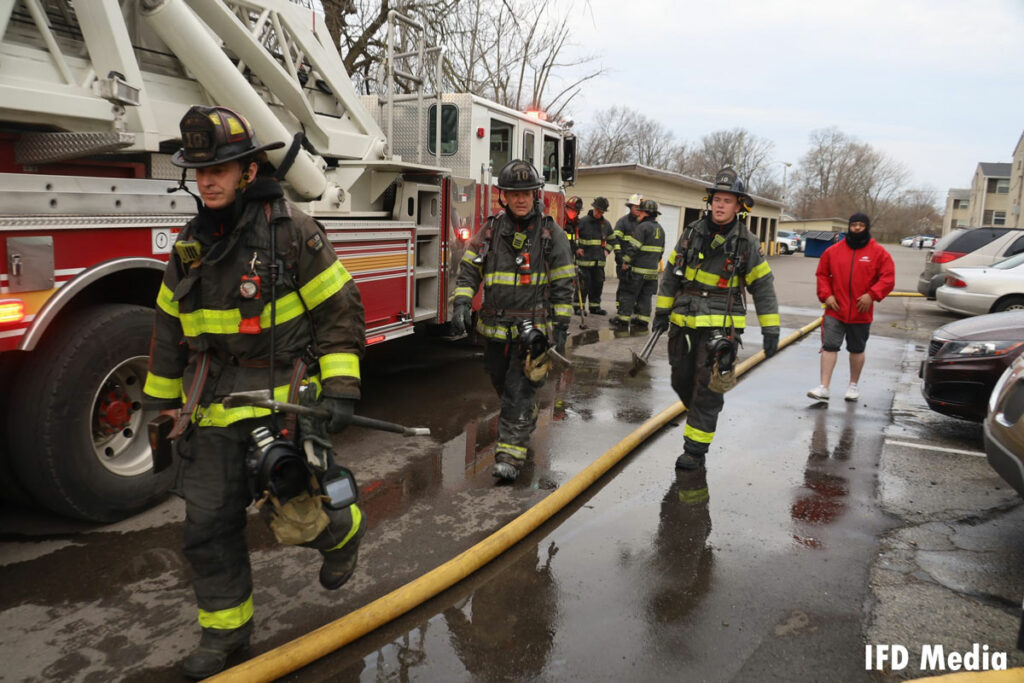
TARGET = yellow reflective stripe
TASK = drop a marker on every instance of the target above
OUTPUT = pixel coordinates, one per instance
(652, 247)
(589, 243)
(227, 619)
(585, 264)
(672, 256)
(339, 365)
(563, 309)
(769, 320)
(706, 278)
(512, 279)
(695, 321)
(469, 256)
(562, 273)
(663, 302)
(645, 271)
(697, 435)
(501, 332)
(693, 497)
(357, 519)
(216, 415)
(164, 299)
(644, 318)
(162, 387)
(758, 271)
(632, 240)
(518, 452)
(325, 285)
(464, 291)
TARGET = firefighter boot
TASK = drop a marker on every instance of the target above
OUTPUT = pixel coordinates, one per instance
(598, 311)
(215, 646)
(690, 461)
(340, 564)
(506, 467)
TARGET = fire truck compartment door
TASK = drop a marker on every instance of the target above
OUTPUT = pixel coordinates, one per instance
(29, 264)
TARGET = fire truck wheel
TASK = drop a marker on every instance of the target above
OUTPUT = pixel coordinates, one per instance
(79, 441)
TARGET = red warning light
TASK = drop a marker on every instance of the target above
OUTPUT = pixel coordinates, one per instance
(11, 311)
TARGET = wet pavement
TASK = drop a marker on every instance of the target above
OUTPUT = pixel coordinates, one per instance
(812, 532)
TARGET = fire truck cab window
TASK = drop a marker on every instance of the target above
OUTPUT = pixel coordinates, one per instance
(449, 129)
(501, 144)
(550, 160)
(529, 147)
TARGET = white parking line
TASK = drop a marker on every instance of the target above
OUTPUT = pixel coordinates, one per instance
(926, 447)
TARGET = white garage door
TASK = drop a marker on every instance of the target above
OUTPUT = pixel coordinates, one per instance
(669, 219)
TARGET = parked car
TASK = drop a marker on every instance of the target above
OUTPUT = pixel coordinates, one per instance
(975, 291)
(966, 358)
(789, 242)
(919, 241)
(967, 247)
(1004, 426)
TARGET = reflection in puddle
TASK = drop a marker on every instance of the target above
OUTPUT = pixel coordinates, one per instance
(822, 498)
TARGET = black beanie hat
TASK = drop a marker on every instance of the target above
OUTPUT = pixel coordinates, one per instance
(860, 218)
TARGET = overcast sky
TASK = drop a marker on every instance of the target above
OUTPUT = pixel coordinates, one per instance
(936, 84)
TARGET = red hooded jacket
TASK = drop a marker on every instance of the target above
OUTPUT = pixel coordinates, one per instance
(847, 273)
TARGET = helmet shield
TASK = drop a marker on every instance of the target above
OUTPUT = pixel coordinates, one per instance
(214, 135)
(650, 207)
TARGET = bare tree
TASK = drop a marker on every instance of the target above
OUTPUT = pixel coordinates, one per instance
(749, 154)
(623, 135)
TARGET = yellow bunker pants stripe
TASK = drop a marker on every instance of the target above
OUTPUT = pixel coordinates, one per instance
(227, 619)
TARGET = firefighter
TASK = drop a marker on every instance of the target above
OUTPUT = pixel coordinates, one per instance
(524, 262)
(641, 261)
(211, 337)
(573, 206)
(624, 227)
(591, 248)
(701, 304)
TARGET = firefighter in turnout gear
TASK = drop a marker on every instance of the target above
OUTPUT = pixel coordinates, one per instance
(624, 227)
(701, 304)
(641, 260)
(573, 206)
(592, 246)
(211, 337)
(524, 262)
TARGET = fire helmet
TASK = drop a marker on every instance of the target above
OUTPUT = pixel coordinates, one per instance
(574, 203)
(650, 207)
(519, 175)
(634, 199)
(727, 180)
(600, 203)
(213, 135)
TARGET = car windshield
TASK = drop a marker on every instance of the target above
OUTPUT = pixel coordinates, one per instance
(1011, 262)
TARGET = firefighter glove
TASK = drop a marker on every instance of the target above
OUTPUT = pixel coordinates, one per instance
(770, 340)
(660, 323)
(341, 410)
(561, 336)
(462, 318)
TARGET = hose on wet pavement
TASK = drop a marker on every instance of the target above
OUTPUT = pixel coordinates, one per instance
(316, 644)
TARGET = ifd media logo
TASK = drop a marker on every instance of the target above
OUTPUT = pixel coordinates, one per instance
(932, 658)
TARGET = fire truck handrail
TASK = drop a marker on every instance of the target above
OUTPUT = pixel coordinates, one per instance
(48, 313)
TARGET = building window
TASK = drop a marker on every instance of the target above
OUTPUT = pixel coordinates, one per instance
(960, 204)
(449, 129)
(501, 145)
(529, 146)
(998, 186)
(999, 218)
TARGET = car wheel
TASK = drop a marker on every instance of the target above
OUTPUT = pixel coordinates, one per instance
(1014, 302)
(79, 440)
(784, 249)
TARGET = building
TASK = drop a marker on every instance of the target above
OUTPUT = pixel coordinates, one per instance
(989, 203)
(814, 225)
(1017, 185)
(958, 208)
(680, 198)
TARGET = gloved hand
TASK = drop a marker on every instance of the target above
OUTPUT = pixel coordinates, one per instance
(660, 322)
(770, 341)
(341, 410)
(561, 333)
(462, 318)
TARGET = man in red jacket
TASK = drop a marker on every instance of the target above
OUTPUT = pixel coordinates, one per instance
(852, 275)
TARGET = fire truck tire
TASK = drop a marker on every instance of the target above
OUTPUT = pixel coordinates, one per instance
(79, 441)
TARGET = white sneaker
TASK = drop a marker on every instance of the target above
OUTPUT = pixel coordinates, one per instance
(819, 393)
(852, 393)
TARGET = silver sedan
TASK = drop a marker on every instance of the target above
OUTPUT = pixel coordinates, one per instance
(975, 291)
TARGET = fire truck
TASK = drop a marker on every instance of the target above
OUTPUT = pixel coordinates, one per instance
(91, 93)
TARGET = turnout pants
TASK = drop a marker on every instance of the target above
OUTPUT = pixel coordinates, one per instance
(633, 299)
(592, 285)
(688, 355)
(216, 490)
(518, 416)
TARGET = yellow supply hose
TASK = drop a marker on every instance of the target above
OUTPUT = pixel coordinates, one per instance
(316, 644)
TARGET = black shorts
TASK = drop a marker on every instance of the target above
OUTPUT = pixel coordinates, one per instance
(833, 331)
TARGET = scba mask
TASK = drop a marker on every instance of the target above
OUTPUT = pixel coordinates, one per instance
(277, 468)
